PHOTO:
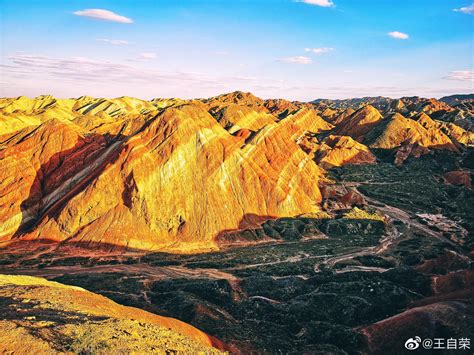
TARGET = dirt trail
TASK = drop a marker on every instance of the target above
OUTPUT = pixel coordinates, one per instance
(399, 223)
(409, 221)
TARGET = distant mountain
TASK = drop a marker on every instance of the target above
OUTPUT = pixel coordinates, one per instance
(455, 100)
(458, 109)
(355, 103)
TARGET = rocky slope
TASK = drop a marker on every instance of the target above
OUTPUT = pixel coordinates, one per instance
(40, 316)
(343, 150)
(178, 175)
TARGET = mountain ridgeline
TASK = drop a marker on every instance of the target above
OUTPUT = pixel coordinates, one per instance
(177, 175)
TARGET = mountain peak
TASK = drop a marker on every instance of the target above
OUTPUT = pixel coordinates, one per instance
(237, 97)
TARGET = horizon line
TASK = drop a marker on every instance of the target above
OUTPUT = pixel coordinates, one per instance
(232, 92)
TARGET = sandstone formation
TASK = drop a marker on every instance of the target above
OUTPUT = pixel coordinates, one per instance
(37, 165)
(337, 223)
(173, 180)
(359, 123)
(397, 130)
(457, 109)
(342, 150)
(171, 174)
(342, 116)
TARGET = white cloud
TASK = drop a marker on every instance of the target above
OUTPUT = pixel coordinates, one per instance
(398, 35)
(297, 60)
(34, 75)
(322, 3)
(147, 56)
(321, 50)
(45, 69)
(115, 42)
(466, 10)
(105, 15)
(461, 75)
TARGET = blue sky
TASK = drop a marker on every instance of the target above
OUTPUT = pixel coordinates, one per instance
(300, 50)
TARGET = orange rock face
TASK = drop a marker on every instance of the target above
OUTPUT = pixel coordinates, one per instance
(36, 165)
(397, 130)
(358, 124)
(368, 126)
(352, 198)
(342, 150)
(174, 183)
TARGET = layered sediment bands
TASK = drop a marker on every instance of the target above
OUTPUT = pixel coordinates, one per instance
(282, 108)
(36, 164)
(455, 133)
(342, 116)
(397, 130)
(184, 178)
(342, 150)
(235, 117)
(337, 247)
(359, 123)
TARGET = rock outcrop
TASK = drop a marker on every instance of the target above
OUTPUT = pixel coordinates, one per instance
(359, 123)
(36, 166)
(397, 130)
(342, 150)
(459, 177)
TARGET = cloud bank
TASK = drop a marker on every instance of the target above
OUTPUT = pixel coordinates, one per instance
(104, 15)
(115, 42)
(461, 75)
(31, 74)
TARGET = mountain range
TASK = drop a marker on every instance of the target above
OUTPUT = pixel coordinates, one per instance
(234, 222)
(170, 174)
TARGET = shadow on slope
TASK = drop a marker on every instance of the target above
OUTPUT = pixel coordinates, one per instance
(65, 175)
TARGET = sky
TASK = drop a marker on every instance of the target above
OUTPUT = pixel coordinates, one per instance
(293, 49)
